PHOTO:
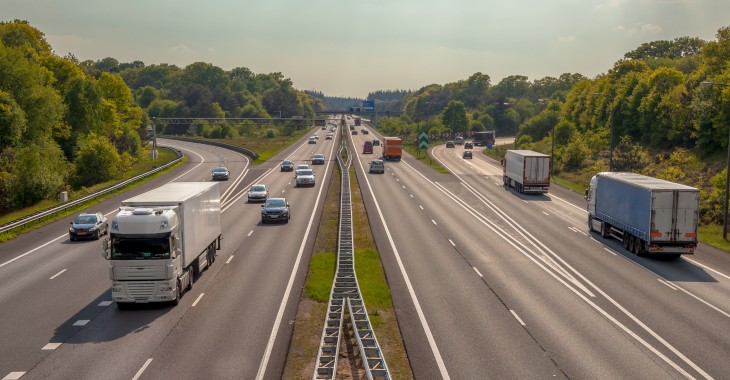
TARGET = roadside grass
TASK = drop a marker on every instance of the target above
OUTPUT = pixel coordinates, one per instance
(373, 286)
(424, 157)
(712, 235)
(165, 156)
(264, 146)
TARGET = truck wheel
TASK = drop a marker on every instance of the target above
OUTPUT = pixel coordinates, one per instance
(626, 240)
(604, 230)
(637, 247)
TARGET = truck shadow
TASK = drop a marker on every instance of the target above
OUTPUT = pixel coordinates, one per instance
(669, 269)
(102, 321)
(528, 197)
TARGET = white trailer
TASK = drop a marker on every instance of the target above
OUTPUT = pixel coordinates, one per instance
(526, 171)
(160, 240)
(648, 215)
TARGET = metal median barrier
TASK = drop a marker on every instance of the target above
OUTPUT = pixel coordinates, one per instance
(345, 297)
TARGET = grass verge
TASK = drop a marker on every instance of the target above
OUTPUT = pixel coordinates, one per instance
(267, 147)
(164, 157)
(424, 157)
(373, 285)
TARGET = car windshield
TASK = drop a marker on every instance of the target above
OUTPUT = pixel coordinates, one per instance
(303, 167)
(318, 156)
(220, 170)
(275, 203)
(305, 172)
(85, 219)
(258, 188)
(140, 249)
(286, 163)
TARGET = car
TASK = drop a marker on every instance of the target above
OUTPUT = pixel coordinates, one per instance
(467, 154)
(258, 192)
(305, 177)
(324, 128)
(468, 145)
(376, 142)
(450, 144)
(312, 140)
(364, 131)
(220, 173)
(354, 132)
(287, 166)
(316, 137)
(318, 159)
(328, 136)
(275, 210)
(367, 148)
(88, 226)
(377, 166)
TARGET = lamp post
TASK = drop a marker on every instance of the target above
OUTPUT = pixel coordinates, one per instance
(727, 168)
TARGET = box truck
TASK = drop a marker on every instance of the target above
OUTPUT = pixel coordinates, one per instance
(392, 148)
(485, 138)
(160, 240)
(648, 215)
(526, 171)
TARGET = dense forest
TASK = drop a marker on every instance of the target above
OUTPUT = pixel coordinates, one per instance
(664, 108)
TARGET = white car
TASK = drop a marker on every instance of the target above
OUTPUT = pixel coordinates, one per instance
(312, 140)
(305, 177)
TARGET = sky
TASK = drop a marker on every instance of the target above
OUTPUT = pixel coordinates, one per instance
(351, 48)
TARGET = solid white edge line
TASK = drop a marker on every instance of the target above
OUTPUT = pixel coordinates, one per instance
(478, 272)
(517, 317)
(421, 316)
(706, 267)
(57, 274)
(282, 306)
(610, 250)
(141, 370)
(667, 283)
(229, 259)
(197, 299)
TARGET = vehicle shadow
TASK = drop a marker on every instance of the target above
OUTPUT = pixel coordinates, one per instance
(102, 321)
(528, 197)
(668, 268)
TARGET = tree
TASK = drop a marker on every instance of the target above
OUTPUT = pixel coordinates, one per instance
(39, 171)
(454, 117)
(12, 121)
(96, 161)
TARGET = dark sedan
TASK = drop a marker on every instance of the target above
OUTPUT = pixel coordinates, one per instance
(275, 210)
(90, 226)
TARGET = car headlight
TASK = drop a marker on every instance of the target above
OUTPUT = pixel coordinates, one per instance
(94, 228)
(71, 229)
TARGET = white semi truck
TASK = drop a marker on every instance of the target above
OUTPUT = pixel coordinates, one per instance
(526, 171)
(160, 240)
(648, 215)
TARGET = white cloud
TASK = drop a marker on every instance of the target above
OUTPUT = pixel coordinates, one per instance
(639, 28)
(566, 39)
(180, 48)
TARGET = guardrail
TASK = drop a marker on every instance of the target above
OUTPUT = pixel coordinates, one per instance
(234, 148)
(43, 213)
(345, 296)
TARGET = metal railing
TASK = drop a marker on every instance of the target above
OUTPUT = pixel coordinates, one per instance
(49, 211)
(346, 293)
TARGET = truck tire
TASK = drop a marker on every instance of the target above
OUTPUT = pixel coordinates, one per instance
(604, 230)
(178, 293)
(637, 249)
(626, 240)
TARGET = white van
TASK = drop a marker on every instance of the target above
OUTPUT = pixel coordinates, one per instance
(458, 140)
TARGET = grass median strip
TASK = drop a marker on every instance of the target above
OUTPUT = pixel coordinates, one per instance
(373, 286)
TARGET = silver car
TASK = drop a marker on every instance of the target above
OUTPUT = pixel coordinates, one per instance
(258, 193)
(305, 177)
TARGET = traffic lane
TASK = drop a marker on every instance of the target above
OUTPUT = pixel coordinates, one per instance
(124, 347)
(561, 236)
(37, 269)
(240, 312)
(506, 261)
(466, 319)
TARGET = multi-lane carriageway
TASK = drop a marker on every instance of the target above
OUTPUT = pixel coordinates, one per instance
(486, 283)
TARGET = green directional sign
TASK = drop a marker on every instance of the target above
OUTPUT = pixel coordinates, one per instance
(423, 140)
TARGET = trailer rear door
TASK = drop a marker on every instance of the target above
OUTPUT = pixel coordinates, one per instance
(674, 216)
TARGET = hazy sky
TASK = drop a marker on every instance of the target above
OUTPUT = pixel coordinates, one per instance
(349, 48)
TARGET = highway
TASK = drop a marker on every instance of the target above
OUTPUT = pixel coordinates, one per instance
(59, 321)
(491, 283)
(486, 283)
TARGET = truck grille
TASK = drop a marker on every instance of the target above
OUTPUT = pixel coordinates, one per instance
(141, 290)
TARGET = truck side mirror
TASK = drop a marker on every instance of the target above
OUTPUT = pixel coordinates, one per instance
(586, 195)
(105, 251)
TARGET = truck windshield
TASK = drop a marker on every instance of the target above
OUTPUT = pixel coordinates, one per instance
(140, 249)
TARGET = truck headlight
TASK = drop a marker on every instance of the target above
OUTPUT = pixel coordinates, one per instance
(166, 288)
(117, 289)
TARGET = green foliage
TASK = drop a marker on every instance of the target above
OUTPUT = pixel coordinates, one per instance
(454, 117)
(38, 172)
(96, 161)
